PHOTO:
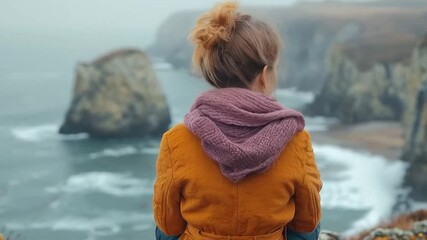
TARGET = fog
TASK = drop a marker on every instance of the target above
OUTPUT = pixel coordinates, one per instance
(140, 17)
(79, 30)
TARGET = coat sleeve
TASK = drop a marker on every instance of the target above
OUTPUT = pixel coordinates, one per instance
(167, 197)
(307, 196)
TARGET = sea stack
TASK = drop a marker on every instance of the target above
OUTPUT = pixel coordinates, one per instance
(117, 95)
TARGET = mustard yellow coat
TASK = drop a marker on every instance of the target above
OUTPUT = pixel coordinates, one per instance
(193, 199)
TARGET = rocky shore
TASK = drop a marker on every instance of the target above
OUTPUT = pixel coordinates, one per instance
(377, 137)
(410, 226)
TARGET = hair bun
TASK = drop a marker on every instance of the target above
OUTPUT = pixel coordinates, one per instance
(215, 26)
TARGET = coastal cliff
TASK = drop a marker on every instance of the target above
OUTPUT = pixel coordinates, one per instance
(415, 123)
(367, 75)
(310, 31)
(117, 95)
(354, 95)
(392, 89)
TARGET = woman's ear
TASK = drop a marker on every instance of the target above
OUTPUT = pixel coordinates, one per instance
(263, 77)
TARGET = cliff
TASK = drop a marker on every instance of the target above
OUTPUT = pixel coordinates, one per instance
(311, 30)
(353, 95)
(117, 95)
(387, 90)
(415, 122)
(172, 39)
(366, 74)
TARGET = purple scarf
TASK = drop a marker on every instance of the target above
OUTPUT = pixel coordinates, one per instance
(243, 131)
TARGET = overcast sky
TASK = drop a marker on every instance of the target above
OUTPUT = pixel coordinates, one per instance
(48, 33)
(125, 17)
(96, 15)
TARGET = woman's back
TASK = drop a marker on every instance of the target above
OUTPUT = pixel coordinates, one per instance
(258, 205)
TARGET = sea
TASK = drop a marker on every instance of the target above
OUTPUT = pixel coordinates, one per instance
(55, 187)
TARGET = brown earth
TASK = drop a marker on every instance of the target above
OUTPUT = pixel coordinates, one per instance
(381, 138)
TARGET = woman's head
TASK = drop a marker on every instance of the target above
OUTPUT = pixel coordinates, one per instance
(235, 50)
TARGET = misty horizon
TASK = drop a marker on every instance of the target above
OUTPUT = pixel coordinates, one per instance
(85, 29)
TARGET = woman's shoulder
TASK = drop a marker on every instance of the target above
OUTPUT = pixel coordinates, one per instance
(301, 139)
(179, 133)
(179, 128)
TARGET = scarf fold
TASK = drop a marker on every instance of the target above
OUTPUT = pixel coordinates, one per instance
(243, 131)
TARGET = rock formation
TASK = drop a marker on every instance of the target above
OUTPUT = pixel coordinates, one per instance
(367, 75)
(395, 89)
(117, 95)
(415, 122)
(353, 95)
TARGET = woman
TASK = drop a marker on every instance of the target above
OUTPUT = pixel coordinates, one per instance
(241, 166)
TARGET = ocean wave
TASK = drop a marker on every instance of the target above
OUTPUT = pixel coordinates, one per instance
(44, 132)
(162, 66)
(117, 152)
(341, 194)
(293, 93)
(119, 185)
(105, 225)
(123, 151)
(150, 150)
(319, 124)
(373, 182)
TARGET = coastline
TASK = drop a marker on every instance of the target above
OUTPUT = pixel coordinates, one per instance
(380, 138)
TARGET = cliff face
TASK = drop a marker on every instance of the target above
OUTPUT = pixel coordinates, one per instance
(383, 91)
(415, 122)
(310, 31)
(366, 74)
(307, 41)
(117, 95)
(172, 39)
(353, 95)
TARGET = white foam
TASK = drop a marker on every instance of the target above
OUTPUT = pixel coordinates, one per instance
(141, 227)
(373, 183)
(44, 132)
(150, 150)
(319, 124)
(162, 66)
(119, 185)
(110, 152)
(104, 225)
(340, 194)
(99, 227)
(293, 93)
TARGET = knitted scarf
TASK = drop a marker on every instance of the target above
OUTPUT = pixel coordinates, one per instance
(242, 130)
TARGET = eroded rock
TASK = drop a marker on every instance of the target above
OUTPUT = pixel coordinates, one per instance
(117, 95)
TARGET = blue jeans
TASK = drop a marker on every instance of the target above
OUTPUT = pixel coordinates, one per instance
(291, 235)
(162, 236)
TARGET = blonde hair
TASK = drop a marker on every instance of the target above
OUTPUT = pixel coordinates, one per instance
(232, 48)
